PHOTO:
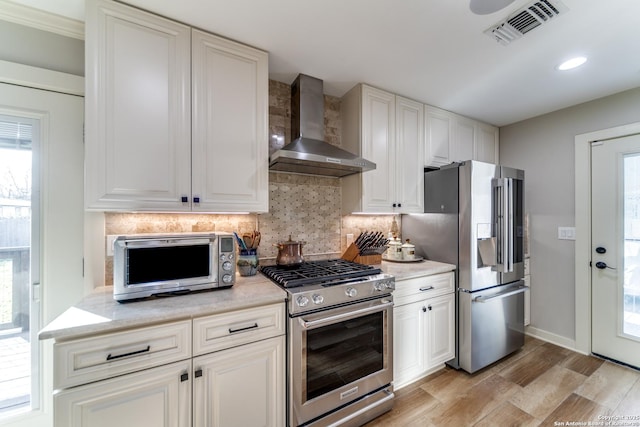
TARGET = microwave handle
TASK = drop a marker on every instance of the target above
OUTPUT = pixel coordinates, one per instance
(345, 316)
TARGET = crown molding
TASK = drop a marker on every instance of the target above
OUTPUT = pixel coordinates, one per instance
(40, 78)
(36, 18)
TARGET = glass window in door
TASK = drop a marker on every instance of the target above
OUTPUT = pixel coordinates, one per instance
(631, 289)
(18, 316)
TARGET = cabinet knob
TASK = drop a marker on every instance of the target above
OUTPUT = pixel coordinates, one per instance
(424, 309)
(395, 205)
(399, 205)
(198, 373)
(196, 200)
(184, 199)
(184, 377)
(429, 308)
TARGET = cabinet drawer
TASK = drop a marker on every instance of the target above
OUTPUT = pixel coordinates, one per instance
(416, 289)
(90, 359)
(220, 331)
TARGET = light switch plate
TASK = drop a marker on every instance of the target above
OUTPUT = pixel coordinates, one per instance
(566, 233)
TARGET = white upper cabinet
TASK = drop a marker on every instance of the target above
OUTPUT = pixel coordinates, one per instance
(438, 134)
(138, 109)
(450, 137)
(409, 155)
(230, 126)
(389, 131)
(487, 143)
(145, 148)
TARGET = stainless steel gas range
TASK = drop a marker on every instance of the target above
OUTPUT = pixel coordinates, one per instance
(340, 342)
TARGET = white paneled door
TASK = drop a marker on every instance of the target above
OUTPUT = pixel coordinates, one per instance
(615, 246)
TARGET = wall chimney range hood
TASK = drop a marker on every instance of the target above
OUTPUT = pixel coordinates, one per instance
(308, 153)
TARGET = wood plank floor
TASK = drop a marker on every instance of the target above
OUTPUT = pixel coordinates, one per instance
(540, 385)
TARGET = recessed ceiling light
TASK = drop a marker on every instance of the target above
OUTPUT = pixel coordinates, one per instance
(572, 63)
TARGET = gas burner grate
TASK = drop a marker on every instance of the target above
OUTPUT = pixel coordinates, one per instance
(315, 272)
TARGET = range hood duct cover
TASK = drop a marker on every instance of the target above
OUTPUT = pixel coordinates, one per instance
(308, 153)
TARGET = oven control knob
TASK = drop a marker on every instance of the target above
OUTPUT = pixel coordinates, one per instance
(303, 301)
(380, 286)
(350, 292)
(227, 278)
(226, 266)
(317, 299)
(390, 285)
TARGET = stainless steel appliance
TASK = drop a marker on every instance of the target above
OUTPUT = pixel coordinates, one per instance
(340, 342)
(474, 218)
(160, 264)
(309, 154)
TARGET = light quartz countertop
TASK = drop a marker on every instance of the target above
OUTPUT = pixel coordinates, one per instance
(99, 313)
(409, 270)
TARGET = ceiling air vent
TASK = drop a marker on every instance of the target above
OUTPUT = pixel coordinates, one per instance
(525, 20)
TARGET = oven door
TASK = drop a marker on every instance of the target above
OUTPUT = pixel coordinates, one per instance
(338, 356)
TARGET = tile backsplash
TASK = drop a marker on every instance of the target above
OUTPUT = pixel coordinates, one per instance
(306, 207)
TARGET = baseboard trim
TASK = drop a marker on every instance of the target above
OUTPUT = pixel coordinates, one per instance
(552, 338)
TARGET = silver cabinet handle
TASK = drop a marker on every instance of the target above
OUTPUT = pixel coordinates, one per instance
(426, 288)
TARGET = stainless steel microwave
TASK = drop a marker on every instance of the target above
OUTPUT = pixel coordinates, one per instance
(145, 265)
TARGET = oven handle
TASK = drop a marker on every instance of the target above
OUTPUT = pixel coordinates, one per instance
(345, 316)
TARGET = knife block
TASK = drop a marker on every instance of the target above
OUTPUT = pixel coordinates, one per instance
(353, 254)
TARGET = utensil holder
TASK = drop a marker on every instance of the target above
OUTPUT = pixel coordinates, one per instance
(247, 262)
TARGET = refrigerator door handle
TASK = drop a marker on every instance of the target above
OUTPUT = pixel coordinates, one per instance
(504, 223)
(508, 231)
(480, 298)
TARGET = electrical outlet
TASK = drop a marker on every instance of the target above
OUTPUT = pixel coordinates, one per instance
(110, 239)
(566, 233)
(349, 239)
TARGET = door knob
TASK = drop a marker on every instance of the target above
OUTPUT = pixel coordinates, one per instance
(601, 250)
(602, 265)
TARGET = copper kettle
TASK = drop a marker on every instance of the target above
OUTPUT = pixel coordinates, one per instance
(290, 253)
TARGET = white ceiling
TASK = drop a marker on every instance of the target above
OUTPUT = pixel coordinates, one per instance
(433, 51)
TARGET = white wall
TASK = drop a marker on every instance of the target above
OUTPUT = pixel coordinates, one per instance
(42, 49)
(544, 148)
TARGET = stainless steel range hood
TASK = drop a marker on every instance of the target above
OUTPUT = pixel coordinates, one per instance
(309, 153)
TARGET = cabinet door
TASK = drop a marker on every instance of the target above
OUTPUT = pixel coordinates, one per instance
(486, 143)
(440, 330)
(230, 126)
(409, 155)
(158, 397)
(438, 126)
(138, 114)
(241, 386)
(463, 142)
(408, 343)
(378, 146)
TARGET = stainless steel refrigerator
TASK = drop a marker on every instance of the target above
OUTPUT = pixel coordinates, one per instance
(474, 218)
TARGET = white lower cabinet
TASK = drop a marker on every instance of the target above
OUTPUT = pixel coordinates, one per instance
(242, 386)
(148, 377)
(157, 397)
(423, 327)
